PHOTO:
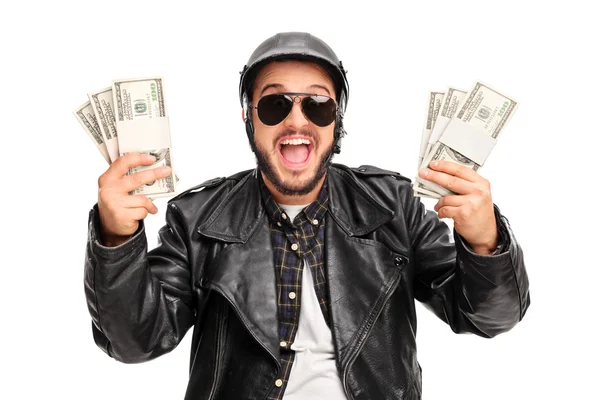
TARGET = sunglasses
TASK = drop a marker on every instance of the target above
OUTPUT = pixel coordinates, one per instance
(274, 108)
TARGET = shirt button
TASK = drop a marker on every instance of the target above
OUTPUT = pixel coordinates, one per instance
(283, 343)
(292, 295)
(278, 223)
(294, 246)
(315, 222)
(279, 383)
(283, 216)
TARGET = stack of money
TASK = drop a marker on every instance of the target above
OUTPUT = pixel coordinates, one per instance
(130, 116)
(480, 115)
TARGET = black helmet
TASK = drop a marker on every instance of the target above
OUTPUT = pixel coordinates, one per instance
(295, 46)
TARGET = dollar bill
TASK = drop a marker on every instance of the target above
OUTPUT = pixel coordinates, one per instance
(451, 103)
(143, 127)
(160, 186)
(434, 105)
(86, 117)
(487, 110)
(102, 104)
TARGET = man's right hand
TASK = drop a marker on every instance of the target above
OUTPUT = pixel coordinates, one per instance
(119, 211)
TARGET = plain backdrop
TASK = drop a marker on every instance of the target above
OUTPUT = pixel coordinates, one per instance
(543, 170)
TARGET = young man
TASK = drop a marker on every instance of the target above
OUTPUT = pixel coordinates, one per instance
(299, 277)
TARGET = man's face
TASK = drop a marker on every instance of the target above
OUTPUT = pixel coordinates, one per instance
(293, 169)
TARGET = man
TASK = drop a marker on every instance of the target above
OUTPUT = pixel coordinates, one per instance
(299, 277)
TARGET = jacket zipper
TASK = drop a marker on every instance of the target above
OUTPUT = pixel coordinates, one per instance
(362, 338)
(221, 317)
(241, 318)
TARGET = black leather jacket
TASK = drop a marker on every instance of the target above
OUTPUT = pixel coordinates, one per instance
(213, 270)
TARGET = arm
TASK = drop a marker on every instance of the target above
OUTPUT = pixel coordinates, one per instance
(140, 303)
(475, 293)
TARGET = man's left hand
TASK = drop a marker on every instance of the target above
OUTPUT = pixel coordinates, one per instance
(471, 208)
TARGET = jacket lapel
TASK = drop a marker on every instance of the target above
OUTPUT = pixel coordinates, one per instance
(361, 272)
(244, 271)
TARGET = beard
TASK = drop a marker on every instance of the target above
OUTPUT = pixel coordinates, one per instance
(289, 189)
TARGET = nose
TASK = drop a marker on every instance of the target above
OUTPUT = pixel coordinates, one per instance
(296, 119)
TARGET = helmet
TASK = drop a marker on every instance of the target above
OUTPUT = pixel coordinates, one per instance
(295, 46)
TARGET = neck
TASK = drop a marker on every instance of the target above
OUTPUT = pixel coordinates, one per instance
(293, 199)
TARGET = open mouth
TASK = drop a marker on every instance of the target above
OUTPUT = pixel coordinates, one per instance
(295, 152)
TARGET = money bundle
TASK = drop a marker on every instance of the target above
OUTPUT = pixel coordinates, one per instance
(130, 116)
(461, 127)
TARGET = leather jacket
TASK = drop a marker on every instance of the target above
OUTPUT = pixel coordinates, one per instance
(213, 270)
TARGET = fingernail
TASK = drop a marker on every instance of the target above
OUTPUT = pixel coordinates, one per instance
(165, 169)
(151, 158)
(424, 172)
(434, 163)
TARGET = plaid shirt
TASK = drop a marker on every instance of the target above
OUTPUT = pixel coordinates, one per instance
(293, 243)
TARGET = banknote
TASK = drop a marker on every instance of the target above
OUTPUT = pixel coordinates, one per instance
(86, 117)
(434, 104)
(160, 186)
(485, 110)
(142, 123)
(102, 104)
(451, 103)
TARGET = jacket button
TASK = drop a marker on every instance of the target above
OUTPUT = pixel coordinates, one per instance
(399, 261)
(362, 169)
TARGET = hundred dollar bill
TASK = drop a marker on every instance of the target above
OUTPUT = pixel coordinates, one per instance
(434, 104)
(86, 117)
(433, 108)
(163, 157)
(143, 128)
(102, 104)
(487, 110)
(451, 103)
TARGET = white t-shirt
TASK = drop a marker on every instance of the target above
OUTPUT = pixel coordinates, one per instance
(314, 374)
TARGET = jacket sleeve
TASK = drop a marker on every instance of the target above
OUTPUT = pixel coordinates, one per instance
(140, 302)
(481, 294)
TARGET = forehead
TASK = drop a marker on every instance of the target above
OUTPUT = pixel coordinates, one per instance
(294, 75)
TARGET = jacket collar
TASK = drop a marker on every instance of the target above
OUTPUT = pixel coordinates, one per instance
(350, 205)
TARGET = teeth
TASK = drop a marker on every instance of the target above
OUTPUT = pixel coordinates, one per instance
(296, 141)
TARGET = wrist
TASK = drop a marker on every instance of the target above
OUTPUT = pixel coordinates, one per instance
(485, 248)
(111, 240)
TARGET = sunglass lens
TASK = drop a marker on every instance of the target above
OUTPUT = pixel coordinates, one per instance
(273, 108)
(319, 109)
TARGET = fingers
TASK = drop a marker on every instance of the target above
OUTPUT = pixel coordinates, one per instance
(451, 182)
(137, 214)
(136, 180)
(458, 170)
(456, 213)
(140, 201)
(121, 165)
(452, 200)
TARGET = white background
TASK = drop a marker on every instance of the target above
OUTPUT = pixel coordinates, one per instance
(543, 170)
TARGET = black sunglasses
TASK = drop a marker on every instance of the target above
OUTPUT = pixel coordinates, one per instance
(274, 108)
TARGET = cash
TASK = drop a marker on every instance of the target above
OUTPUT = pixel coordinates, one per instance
(130, 116)
(481, 115)
(86, 117)
(102, 104)
(434, 105)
